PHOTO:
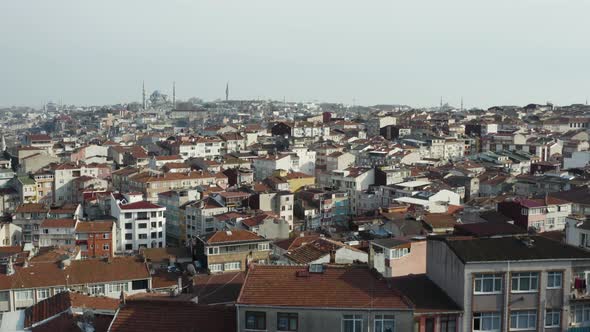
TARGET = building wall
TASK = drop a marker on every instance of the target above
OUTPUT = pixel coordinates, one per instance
(325, 320)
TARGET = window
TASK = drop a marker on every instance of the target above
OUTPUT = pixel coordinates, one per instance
(525, 282)
(105, 247)
(580, 313)
(255, 320)
(352, 323)
(159, 235)
(231, 266)
(128, 215)
(552, 318)
(159, 215)
(384, 323)
(153, 214)
(118, 287)
(486, 321)
(58, 290)
(129, 246)
(128, 225)
(487, 284)
(287, 321)
(448, 324)
(143, 236)
(139, 284)
(215, 267)
(213, 250)
(42, 294)
(154, 235)
(24, 295)
(523, 320)
(142, 225)
(554, 279)
(154, 224)
(142, 215)
(263, 246)
(128, 236)
(105, 236)
(96, 289)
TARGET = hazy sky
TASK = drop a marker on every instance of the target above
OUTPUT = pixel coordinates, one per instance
(376, 51)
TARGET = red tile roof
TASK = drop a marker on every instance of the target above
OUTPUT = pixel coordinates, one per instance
(89, 271)
(236, 235)
(94, 227)
(336, 287)
(218, 288)
(64, 301)
(141, 205)
(32, 208)
(58, 223)
(296, 242)
(159, 316)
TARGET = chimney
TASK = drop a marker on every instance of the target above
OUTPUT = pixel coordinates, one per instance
(9, 267)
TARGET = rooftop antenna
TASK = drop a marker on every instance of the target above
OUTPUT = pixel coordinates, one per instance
(227, 91)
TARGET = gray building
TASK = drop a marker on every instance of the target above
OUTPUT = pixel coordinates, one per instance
(320, 298)
(512, 282)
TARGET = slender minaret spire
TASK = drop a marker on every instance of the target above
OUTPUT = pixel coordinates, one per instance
(143, 94)
(441, 102)
(227, 91)
(461, 104)
(174, 95)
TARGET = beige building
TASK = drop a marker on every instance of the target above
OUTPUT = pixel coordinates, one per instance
(152, 184)
(235, 250)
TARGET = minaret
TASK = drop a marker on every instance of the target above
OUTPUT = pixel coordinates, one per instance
(227, 91)
(461, 104)
(143, 94)
(174, 95)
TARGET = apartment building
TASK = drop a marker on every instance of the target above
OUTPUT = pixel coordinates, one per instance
(266, 166)
(96, 238)
(512, 282)
(18, 290)
(175, 202)
(57, 232)
(320, 298)
(140, 224)
(543, 214)
(394, 257)
(64, 189)
(231, 250)
(199, 216)
(150, 184)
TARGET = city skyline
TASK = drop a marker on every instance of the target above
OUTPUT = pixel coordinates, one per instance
(384, 52)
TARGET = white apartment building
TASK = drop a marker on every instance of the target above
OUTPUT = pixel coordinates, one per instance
(64, 175)
(264, 167)
(304, 161)
(201, 147)
(199, 216)
(140, 224)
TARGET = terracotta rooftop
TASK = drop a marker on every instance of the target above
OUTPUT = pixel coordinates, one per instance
(32, 208)
(141, 205)
(237, 235)
(64, 301)
(89, 271)
(218, 288)
(58, 223)
(354, 287)
(159, 316)
(94, 227)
